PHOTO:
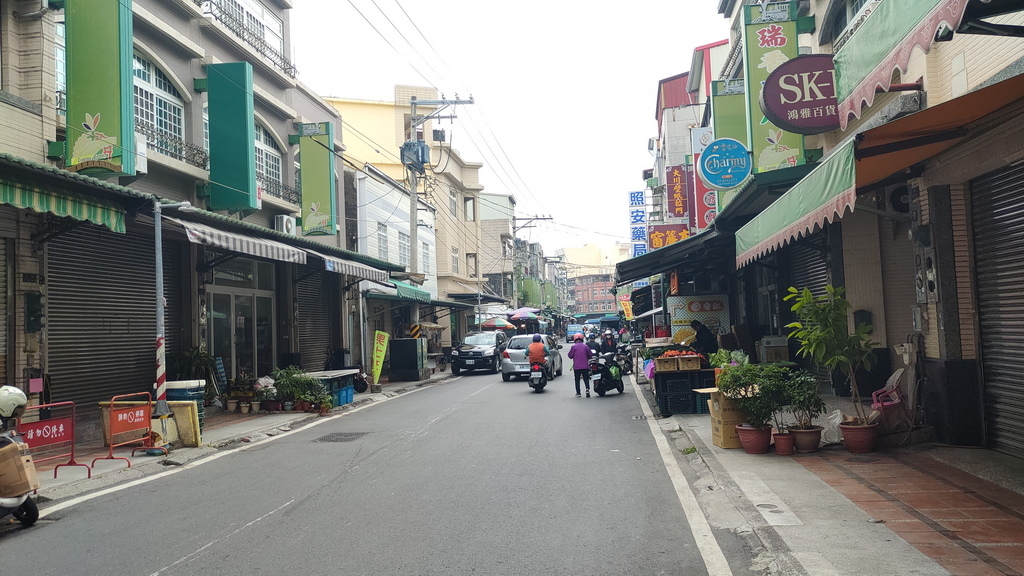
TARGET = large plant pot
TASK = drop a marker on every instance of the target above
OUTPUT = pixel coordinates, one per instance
(754, 440)
(807, 441)
(272, 405)
(859, 439)
(784, 443)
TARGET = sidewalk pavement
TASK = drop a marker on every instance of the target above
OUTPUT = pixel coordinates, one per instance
(923, 509)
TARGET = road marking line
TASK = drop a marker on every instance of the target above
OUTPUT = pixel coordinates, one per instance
(767, 502)
(710, 551)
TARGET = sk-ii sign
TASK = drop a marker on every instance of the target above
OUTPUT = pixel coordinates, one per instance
(724, 164)
(800, 95)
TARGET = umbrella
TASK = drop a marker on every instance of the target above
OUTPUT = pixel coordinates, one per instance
(497, 323)
(523, 309)
(524, 316)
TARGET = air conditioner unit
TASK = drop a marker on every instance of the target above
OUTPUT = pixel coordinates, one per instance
(286, 224)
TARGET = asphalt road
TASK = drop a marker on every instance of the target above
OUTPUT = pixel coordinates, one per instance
(469, 476)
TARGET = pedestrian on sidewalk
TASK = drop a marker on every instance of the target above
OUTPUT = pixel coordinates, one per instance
(581, 354)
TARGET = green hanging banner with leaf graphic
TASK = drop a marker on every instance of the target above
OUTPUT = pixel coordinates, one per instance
(316, 151)
(769, 40)
(100, 114)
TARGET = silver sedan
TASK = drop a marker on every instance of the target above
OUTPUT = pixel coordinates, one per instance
(515, 363)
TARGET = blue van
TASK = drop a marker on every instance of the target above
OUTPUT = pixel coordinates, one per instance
(572, 330)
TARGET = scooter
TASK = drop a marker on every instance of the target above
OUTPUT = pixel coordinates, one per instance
(606, 374)
(538, 376)
(22, 507)
(624, 357)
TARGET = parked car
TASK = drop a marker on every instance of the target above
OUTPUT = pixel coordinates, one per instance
(515, 363)
(479, 351)
(572, 330)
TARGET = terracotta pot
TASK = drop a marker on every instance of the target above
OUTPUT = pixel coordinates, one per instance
(859, 439)
(784, 443)
(754, 440)
(807, 440)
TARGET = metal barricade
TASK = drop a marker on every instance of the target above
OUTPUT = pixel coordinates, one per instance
(133, 416)
(51, 433)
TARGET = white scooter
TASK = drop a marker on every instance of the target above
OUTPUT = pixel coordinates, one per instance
(22, 507)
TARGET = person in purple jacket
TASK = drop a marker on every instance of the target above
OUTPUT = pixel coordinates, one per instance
(581, 354)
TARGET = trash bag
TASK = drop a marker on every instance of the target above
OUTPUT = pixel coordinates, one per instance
(831, 434)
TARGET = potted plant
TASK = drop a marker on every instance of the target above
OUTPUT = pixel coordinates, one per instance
(292, 383)
(805, 404)
(758, 392)
(823, 332)
(265, 396)
(722, 359)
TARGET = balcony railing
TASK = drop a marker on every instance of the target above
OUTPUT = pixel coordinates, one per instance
(280, 190)
(61, 103)
(173, 146)
(247, 33)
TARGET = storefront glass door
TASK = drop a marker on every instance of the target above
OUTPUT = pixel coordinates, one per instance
(242, 317)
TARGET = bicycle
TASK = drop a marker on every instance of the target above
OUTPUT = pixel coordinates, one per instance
(442, 362)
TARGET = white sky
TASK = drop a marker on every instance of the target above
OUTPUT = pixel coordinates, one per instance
(565, 90)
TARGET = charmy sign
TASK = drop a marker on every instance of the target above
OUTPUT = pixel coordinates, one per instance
(724, 164)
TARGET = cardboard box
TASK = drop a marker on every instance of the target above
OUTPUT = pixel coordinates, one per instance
(723, 433)
(775, 354)
(721, 407)
(17, 471)
(670, 364)
(688, 363)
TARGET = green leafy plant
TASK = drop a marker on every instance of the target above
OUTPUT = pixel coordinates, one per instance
(805, 404)
(293, 383)
(725, 358)
(758, 390)
(192, 364)
(823, 331)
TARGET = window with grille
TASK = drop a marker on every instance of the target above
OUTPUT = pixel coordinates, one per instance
(425, 258)
(455, 260)
(268, 156)
(60, 76)
(453, 202)
(159, 108)
(403, 248)
(382, 241)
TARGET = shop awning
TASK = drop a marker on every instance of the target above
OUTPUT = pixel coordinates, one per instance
(830, 189)
(345, 266)
(649, 313)
(243, 244)
(705, 251)
(884, 42)
(407, 292)
(44, 199)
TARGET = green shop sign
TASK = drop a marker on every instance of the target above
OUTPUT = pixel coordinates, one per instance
(100, 115)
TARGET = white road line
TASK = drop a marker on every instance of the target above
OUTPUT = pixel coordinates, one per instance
(85, 498)
(710, 551)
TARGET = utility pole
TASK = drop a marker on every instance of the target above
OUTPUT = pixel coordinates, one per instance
(528, 224)
(416, 157)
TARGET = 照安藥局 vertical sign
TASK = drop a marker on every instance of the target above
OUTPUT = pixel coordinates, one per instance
(100, 100)
(637, 223)
(769, 41)
(316, 149)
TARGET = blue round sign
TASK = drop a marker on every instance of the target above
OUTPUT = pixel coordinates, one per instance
(724, 164)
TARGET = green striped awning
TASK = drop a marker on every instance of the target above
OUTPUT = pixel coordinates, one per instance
(60, 203)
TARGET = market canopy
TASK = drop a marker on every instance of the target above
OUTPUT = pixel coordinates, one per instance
(524, 316)
(242, 243)
(351, 268)
(497, 323)
(407, 292)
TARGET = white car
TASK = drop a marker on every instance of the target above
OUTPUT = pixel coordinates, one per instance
(515, 363)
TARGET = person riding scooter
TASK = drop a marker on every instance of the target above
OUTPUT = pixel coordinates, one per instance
(537, 353)
(12, 406)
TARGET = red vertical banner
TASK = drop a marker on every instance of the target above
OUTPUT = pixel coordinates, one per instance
(678, 191)
(704, 199)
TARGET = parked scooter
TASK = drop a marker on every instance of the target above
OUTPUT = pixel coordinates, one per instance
(12, 405)
(624, 357)
(605, 374)
(538, 376)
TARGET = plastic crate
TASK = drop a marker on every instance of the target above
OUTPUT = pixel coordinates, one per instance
(700, 401)
(675, 384)
(675, 404)
(343, 395)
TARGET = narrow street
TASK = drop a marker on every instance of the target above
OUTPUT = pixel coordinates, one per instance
(471, 476)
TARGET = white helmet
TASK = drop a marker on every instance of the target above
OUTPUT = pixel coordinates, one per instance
(11, 399)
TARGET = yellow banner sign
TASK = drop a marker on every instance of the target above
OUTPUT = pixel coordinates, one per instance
(627, 309)
(380, 349)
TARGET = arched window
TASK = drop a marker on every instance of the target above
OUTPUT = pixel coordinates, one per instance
(268, 157)
(159, 109)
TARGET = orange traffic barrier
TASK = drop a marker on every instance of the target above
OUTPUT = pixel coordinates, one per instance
(135, 416)
(53, 429)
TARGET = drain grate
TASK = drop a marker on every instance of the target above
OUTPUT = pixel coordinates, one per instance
(341, 437)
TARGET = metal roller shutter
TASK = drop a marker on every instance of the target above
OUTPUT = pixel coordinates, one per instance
(101, 313)
(998, 215)
(314, 317)
(807, 265)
